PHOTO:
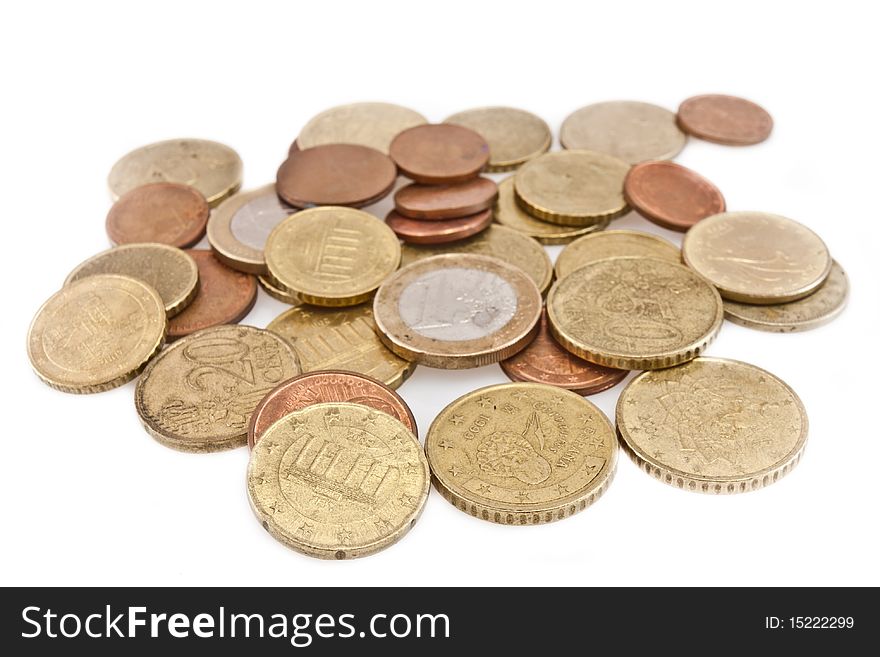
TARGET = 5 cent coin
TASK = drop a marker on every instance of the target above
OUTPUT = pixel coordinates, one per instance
(437, 231)
(438, 154)
(168, 213)
(725, 119)
(445, 201)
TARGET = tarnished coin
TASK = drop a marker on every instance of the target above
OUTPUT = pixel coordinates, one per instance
(278, 293)
(634, 313)
(239, 227)
(457, 311)
(757, 257)
(96, 334)
(712, 425)
(572, 188)
(327, 386)
(212, 168)
(340, 339)
(496, 241)
(613, 244)
(521, 453)
(438, 154)
(446, 201)
(628, 130)
(225, 296)
(335, 174)
(820, 307)
(332, 256)
(167, 213)
(437, 231)
(725, 119)
(367, 124)
(338, 480)
(671, 195)
(172, 272)
(514, 135)
(199, 393)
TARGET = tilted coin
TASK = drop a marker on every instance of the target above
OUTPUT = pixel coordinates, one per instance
(521, 453)
(167, 213)
(572, 188)
(812, 311)
(172, 272)
(628, 130)
(337, 480)
(437, 231)
(277, 293)
(712, 425)
(439, 154)
(332, 256)
(612, 244)
(725, 119)
(199, 393)
(212, 168)
(367, 124)
(446, 201)
(340, 339)
(96, 334)
(457, 311)
(757, 257)
(634, 313)
(514, 135)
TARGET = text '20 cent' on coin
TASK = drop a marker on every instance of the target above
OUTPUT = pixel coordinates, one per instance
(514, 135)
(437, 231)
(199, 393)
(337, 480)
(634, 313)
(446, 201)
(367, 124)
(167, 213)
(172, 272)
(457, 311)
(712, 425)
(439, 153)
(96, 334)
(757, 257)
(521, 453)
(613, 244)
(212, 168)
(725, 120)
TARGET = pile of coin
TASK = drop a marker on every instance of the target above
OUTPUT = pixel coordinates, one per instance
(336, 468)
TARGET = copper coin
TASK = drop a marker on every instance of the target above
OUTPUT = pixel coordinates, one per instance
(437, 231)
(167, 213)
(327, 386)
(725, 119)
(225, 296)
(335, 174)
(446, 201)
(544, 361)
(439, 153)
(671, 195)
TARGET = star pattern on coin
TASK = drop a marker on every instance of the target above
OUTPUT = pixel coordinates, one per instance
(343, 535)
(296, 422)
(270, 446)
(275, 508)
(411, 468)
(454, 471)
(456, 419)
(658, 454)
(371, 418)
(383, 525)
(306, 529)
(484, 488)
(445, 445)
(523, 495)
(519, 394)
(561, 489)
(485, 402)
(260, 479)
(406, 500)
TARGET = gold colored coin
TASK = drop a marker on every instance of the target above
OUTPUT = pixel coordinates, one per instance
(367, 124)
(341, 339)
(521, 453)
(212, 168)
(338, 480)
(332, 256)
(172, 272)
(757, 257)
(634, 313)
(572, 188)
(820, 307)
(499, 242)
(96, 334)
(712, 425)
(612, 244)
(199, 393)
(514, 135)
(277, 293)
(508, 213)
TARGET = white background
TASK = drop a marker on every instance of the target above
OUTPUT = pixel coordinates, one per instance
(89, 498)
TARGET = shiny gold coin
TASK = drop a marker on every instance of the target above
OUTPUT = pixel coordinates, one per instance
(514, 135)
(278, 293)
(172, 272)
(341, 339)
(634, 313)
(712, 425)
(757, 257)
(612, 244)
(199, 393)
(499, 242)
(572, 188)
(508, 213)
(521, 453)
(332, 256)
(819, 308)
(367, 124)
(212, 168)
(96, 334)
(338, 480)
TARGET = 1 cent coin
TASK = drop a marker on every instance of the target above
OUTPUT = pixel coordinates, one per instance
(366, 124)
(514, 135)
(725, 119)
(168, 213)
(445, 201)
(440, 153)
(437, 231)
(613, 244)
